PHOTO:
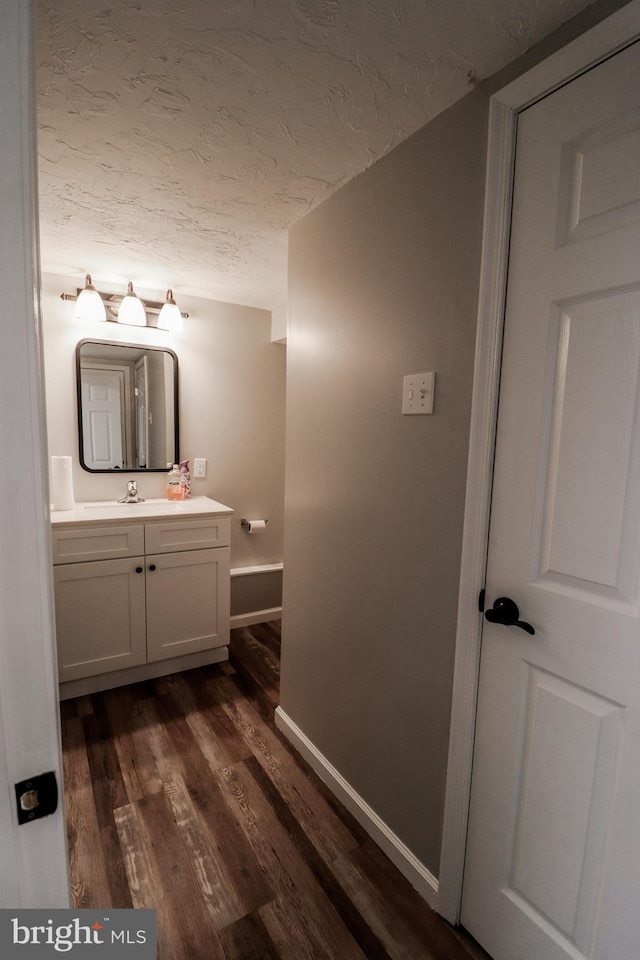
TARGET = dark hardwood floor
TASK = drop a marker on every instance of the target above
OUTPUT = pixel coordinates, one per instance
(182, 795)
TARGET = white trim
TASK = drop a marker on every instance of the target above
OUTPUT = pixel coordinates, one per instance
(34, 866)
(602, 41)
(609, 36)
(502, 123)
(258, 616)
(259, 568)
(399, 854)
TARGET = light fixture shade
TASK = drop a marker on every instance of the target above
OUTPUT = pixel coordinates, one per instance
(89, 305)
(131, 309)
(170, 317)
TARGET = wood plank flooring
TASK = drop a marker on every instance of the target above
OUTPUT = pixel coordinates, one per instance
(182, 795)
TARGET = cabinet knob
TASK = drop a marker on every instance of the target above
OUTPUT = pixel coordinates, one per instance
(138, 569)
(152, 566)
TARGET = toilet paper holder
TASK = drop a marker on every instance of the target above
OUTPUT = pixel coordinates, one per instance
(246, 524)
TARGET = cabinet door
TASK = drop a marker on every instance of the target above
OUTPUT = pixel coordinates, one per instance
(100, 616)
(187, 602)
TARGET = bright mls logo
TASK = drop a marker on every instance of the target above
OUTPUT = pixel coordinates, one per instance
(82, 933)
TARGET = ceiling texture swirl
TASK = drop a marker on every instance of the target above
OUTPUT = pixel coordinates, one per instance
(179, 139)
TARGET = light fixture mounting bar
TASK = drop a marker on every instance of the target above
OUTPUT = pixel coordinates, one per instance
(114, 299)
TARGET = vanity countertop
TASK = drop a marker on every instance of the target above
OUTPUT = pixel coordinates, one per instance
(99, 511)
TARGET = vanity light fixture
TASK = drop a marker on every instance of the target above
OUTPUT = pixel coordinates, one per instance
(132, 309)
(170, 317)
(92, 305)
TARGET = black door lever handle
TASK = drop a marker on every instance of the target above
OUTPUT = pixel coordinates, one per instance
(505, 611)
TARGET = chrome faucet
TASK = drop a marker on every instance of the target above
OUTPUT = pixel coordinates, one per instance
(132, 493)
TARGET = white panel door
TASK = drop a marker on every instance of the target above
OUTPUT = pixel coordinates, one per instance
(553, 862)
(102, 410)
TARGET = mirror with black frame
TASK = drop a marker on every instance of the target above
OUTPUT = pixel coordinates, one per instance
(127, 406)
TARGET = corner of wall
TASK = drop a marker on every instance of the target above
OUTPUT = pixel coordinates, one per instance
(279, 317)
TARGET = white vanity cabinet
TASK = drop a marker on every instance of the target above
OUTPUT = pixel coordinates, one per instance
(139, 599)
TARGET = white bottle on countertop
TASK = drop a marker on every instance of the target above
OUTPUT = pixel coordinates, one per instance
(175, 490)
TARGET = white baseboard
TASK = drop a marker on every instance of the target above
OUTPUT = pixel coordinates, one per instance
(407, 863)
(257, 616)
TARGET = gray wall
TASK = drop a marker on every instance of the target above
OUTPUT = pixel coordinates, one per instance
(252, 592)
(384, 281)
(232, 411)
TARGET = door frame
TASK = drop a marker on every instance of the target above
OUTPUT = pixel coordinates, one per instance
(594, 46)
(34, 867)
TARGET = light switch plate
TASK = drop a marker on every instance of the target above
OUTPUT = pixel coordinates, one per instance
(199, 468)
(417, 392)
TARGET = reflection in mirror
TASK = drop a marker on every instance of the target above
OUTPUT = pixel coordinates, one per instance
(127, 406)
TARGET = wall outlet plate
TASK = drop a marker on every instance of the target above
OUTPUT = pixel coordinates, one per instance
(200, 468)
(417, 392)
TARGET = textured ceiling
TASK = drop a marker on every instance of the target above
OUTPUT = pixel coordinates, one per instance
(178, 139)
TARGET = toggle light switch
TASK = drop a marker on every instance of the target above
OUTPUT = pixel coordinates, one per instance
(417, 393)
